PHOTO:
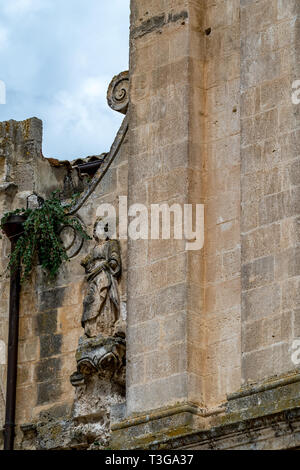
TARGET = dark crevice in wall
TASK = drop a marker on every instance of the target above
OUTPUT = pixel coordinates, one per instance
(157, 22)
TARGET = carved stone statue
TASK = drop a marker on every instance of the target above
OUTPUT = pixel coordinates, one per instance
(102, 349)
(101, 307)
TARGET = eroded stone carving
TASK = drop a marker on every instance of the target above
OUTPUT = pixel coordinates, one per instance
(101, 350)
(103, 356)
(101, 353)
(118, 93)
(101, 307)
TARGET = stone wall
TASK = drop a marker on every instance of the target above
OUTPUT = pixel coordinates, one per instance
(270, 187)
(209, 332)
(186, 150)
(224, 71)
(50, 311)
(23, 171)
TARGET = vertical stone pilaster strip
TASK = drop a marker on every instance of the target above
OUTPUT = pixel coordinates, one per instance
(165, 334)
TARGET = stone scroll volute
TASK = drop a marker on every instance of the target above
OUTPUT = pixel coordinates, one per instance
(118, 93)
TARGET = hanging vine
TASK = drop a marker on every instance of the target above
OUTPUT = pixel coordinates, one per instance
(41, 238)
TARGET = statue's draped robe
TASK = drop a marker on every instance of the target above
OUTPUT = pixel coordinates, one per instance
(101, 306)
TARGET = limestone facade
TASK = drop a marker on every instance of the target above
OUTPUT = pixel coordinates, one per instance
(210, 334)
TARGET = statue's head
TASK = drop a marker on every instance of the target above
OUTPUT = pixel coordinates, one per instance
(101, 230)
(105, 228)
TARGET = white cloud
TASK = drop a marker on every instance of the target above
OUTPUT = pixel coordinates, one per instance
(94, 87)
(82, 115)
(57, 58)
(3, 37)
(21, 7)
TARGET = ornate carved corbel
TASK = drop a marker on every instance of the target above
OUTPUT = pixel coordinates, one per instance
(102, 356)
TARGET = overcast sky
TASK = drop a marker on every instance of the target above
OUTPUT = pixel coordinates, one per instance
(57, 58)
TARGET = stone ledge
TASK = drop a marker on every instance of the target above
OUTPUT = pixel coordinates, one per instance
(273, 432)
(249, 420)
(276, 431)
(143, 431)
(264, 399)
(164, 413)
(269, 385)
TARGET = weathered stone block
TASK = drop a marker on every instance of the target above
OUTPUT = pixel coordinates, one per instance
(261, 302)
(50, 345)
(48, 369)
(258, 273)
(46, 323)
(48, 392)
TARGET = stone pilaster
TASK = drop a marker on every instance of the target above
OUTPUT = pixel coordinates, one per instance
(165, 290)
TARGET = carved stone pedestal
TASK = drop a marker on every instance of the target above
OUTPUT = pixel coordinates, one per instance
(100, 384)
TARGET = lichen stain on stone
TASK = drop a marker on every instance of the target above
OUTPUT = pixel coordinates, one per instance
(26, 128)
(56, 431)
(59, 163)
(7, 127)
(157, 22)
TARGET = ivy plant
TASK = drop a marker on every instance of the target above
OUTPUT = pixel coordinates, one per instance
(41, 238)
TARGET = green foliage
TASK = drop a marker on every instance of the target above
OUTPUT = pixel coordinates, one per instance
(41, 237)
